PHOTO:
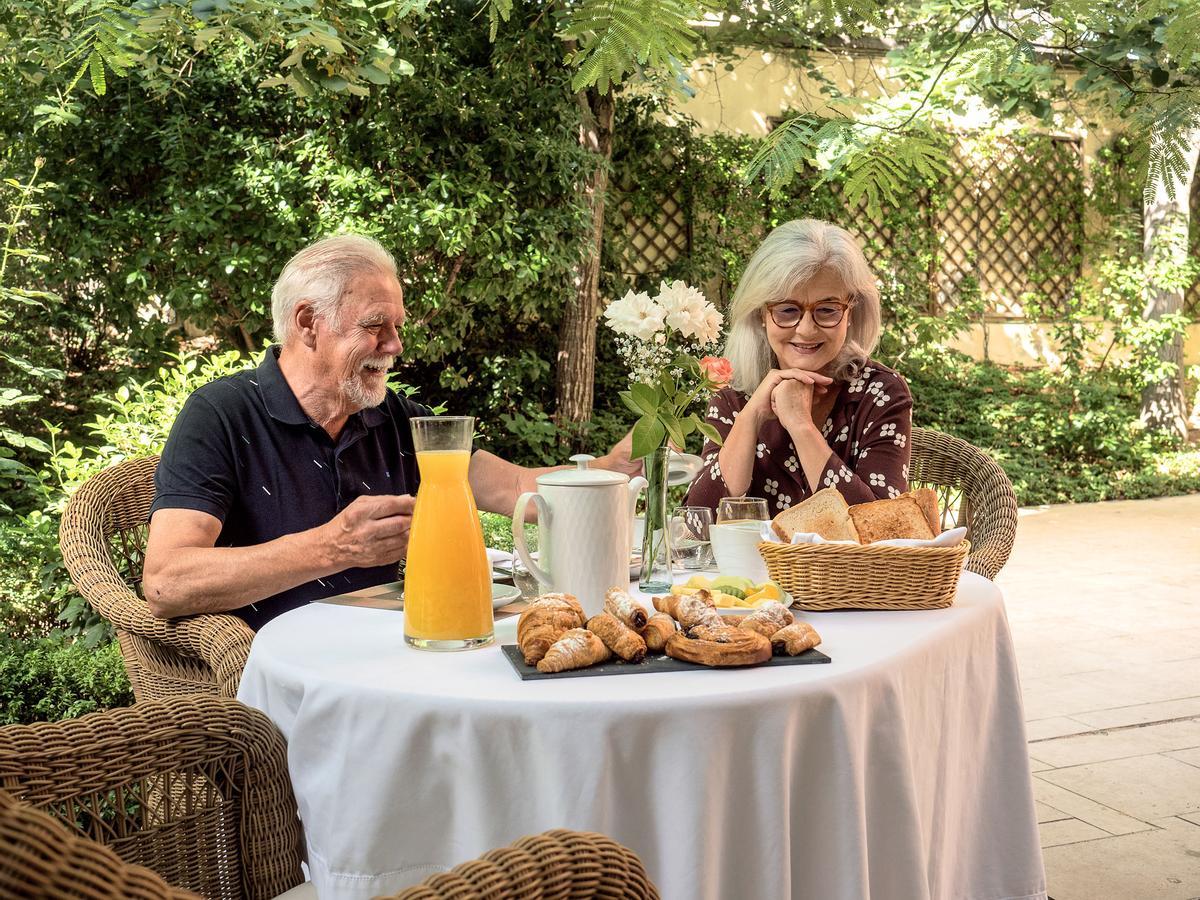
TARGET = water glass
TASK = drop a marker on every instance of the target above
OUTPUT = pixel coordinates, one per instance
(691, 538)
(742, 509)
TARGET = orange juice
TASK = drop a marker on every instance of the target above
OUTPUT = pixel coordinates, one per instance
(447, 581)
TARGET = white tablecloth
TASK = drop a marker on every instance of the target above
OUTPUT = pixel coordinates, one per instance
(899, 770)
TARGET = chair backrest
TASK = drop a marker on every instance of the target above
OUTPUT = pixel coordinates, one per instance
(41, 858)
(196, 789)
(566, 865)
(973, 491)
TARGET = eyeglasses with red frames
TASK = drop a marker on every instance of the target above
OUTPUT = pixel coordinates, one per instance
(826, 314)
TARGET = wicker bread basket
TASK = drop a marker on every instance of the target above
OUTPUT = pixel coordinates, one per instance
(852, 576)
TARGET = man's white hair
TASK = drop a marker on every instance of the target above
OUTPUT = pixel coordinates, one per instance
(320, 274)
(789, 256)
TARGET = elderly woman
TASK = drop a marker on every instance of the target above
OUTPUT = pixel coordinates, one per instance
(808, 408)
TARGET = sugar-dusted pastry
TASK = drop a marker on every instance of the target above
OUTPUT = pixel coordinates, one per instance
(577, 649)
(720, 646)
(658, 628)
(544, 622)
(618, 637)
(670, 603)
(768, 619)
(692, 610)
(625, 608)
(732, 620)
(795, 639)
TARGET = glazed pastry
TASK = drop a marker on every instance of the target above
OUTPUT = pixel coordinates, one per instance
(658, 628)
(720, 646)
(625, 608)
(618, 637)
(768, 619)
(795, 639)
(577, 649)
(544, 622)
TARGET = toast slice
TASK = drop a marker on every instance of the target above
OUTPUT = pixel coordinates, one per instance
(824, 513)
(901, 517)
(927, 499)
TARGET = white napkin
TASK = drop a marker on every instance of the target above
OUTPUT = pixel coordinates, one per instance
(951, 538)
(499, 556)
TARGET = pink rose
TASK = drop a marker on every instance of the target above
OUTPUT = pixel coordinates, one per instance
(718, 370)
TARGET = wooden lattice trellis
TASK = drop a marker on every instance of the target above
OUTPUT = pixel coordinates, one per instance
(1191, 300)
(1012, 224)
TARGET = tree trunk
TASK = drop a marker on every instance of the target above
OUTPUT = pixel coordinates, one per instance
(576, 363)
(1165, 220)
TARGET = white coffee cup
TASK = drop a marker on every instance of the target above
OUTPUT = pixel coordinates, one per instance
(735, 548)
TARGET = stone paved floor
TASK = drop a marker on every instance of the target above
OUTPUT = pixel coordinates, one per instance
(1104, 604)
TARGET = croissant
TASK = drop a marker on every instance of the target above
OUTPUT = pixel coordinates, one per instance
(720, 646)
(576, 649)
(768, 619)
(795, 639)
(546, 620)
(618, 637)
(625, 608)
(658, 628)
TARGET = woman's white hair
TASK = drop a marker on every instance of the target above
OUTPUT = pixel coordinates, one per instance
(320, 274)
(790, 256)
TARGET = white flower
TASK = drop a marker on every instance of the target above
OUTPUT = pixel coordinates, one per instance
(882, 398)
(761, 450)
(892, 492)
(844, 473)
(887, 430)
(784, 501)
(714, 471)
(771, 486)
(843, 434)
(710, 332)
(635, 315)
(877, 480)
(790, 464)
(857, 385)
(904, 471)
(684, 307)
(900, 440)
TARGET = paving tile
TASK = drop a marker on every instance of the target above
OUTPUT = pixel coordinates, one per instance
(1143, 712)
(1099, 746)
(1162, 864)
(1143, 787)
(1036, 765)
(1191, 757)
(1084, 808)
(1068, 831)
(1048, 813)
(1056, 726)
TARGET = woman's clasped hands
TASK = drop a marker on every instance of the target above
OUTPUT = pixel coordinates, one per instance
(787, 395)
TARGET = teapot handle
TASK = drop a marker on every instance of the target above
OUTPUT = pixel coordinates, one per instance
(518, 533)
(637, 484)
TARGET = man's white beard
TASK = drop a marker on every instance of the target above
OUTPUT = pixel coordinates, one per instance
(356, 391)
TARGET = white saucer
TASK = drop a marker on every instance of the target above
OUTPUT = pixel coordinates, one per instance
(503, 594)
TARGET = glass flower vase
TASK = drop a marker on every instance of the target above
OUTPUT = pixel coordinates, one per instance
(656, 540)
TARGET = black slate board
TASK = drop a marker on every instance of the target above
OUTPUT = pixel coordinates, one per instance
(649, 664)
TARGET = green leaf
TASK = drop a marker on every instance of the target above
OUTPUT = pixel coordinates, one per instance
(645, 398)
(648, 435)
(627, 399)
(674, 430)
(668, 386)
(709, 432)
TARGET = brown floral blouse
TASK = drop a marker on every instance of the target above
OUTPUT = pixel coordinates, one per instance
(868, 428)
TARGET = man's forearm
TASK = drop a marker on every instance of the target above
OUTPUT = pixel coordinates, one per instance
(218, 579)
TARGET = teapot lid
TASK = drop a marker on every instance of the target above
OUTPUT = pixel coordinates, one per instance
(581, 475)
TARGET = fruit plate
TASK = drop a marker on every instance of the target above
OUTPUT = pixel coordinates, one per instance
(740, 610)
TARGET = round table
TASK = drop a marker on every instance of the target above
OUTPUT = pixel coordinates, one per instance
(898, 770)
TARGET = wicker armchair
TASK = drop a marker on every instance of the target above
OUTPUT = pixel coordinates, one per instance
(973, 491)
(103, 540)
(567, 865)
(195, 789)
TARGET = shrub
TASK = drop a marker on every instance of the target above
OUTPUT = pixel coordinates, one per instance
(54, 678)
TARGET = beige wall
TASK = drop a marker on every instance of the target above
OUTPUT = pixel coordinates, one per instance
(764, 84)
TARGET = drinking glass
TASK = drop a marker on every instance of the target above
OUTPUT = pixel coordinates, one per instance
(731, 510)
(448, 580)
(691, 523)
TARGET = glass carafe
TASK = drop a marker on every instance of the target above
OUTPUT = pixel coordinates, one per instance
(447, 581)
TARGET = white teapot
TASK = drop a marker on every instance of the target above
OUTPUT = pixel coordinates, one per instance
(585, 517)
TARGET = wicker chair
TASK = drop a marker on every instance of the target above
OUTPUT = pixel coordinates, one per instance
(195, 789)
(567, 865)
(973, 491)
(103, 540)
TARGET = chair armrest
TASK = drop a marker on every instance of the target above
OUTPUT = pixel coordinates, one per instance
(993, 516)
(174, 760)
(43, 859)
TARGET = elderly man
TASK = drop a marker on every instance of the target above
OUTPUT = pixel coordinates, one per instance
(295, 481)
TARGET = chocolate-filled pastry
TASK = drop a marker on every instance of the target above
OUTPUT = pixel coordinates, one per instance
(577, 649)
(658, 628)
(618, 637)
(795, 639)
(625, 608)
(720, 646)
(768, 619)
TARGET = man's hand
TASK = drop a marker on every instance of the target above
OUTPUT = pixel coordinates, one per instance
(371, 531)
(617, 459)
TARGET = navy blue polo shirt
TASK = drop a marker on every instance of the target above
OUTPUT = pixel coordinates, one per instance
(243, 450)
